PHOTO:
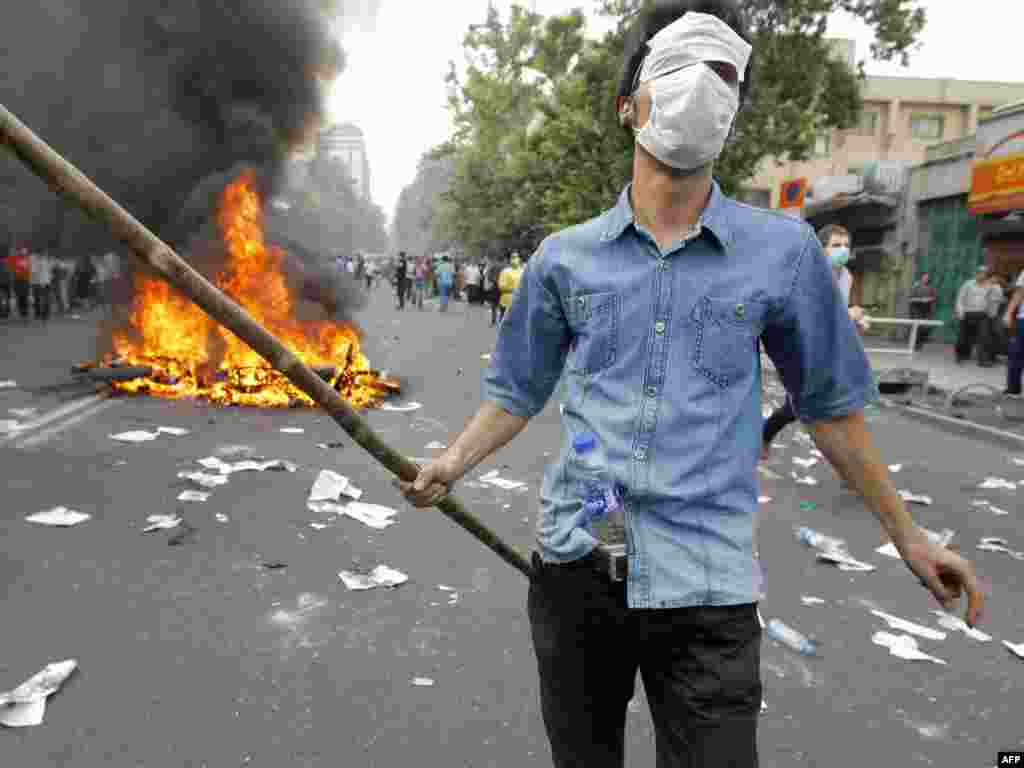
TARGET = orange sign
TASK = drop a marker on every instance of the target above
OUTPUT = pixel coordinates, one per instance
(792, 193)
(997, 180)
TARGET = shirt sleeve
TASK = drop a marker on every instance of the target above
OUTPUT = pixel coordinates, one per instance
(533, 340)
(815, 346)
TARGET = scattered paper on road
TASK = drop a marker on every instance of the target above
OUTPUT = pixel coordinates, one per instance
(9, 426)
(381, 576)
(193, 496)
(942, 538)
(809, 600)
(235, 451)
(903, 646)
(59, 516)
(914, 498)
(221, 517)
(8, 384)
(26, 704)
(894, 468)
(843, 560)
(1017, 648)
(246, 465)
(23, 413)
(805, 463)
(175, 431)
(161, 523)
(1019, 461)
(998, 482)
(422, 682)
(492, 478)
(435, 445)
(203, 479)
(373, 515)
(292, 430)
(135, 436)
(996, 544)
(410, 406)
(908, 626)
(805, 480)
(330, 486)
(959, 625)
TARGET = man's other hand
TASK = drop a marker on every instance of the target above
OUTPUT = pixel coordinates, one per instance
(944, 573)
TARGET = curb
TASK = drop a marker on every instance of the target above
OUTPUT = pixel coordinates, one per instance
(960, 425)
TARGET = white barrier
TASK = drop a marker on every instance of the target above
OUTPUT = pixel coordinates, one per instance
(914, 324)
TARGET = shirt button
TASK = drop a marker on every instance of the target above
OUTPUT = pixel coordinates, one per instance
(652, 391)
(659, 327)
(663, 266)
(639, 454)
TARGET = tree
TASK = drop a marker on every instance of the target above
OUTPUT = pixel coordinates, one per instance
(536, 147)
(413, 227)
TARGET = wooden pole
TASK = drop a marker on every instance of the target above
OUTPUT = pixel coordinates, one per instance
(75, 187)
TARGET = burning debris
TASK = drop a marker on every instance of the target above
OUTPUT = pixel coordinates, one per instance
(176, 351)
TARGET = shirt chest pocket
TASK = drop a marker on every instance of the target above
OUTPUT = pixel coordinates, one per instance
(726, 343)
(594, 320)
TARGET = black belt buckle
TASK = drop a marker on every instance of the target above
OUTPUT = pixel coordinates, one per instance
(610, 560)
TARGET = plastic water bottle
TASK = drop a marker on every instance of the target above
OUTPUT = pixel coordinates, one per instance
(817, 540)
(602, 500)
(790, 638)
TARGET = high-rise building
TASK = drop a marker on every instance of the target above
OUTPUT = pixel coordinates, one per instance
(345, 142)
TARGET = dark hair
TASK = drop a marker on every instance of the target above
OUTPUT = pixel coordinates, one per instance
(825, 233)
(658, 15)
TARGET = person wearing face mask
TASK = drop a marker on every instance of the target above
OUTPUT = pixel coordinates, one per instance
(653, 311)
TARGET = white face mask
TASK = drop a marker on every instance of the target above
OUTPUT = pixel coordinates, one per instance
(691, 114)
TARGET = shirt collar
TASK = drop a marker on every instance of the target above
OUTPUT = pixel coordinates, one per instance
(714, 217)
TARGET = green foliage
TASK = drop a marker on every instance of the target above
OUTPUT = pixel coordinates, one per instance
(536, 146)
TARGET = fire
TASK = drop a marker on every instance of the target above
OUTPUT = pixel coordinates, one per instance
(192, 356)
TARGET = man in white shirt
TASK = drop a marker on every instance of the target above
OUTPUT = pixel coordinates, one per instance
(472, 283)
(42, 277)
(1014, 321)
(972, 310)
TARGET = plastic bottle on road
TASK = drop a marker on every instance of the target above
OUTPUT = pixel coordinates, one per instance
(790, 638)
(817, 540)
(602, 500)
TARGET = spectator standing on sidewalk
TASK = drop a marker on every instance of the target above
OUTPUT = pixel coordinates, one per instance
(491, 274)
(42, 279)
(6, 285)
(20, 264)
(445, 282)
(472, 283)
(508, 281)
(1014, 322)
(401, 278)
(972, 307)
(922, 306)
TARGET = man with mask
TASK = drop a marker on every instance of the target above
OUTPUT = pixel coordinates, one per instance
(654, 309)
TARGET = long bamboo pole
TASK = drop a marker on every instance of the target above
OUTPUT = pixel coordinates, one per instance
(74, 186)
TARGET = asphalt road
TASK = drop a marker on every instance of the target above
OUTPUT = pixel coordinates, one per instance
(192, 653)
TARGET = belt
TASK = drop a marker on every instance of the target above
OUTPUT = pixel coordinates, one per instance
(608, 560)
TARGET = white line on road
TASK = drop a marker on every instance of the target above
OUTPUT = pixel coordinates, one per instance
(54, 430)
(56, 414)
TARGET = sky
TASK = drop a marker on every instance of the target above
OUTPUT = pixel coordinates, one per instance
(393, 86)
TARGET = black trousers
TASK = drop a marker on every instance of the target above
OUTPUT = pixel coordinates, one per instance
(700, 667)
(919, 312)
(22, 291)
(401, 286)
(974, 328)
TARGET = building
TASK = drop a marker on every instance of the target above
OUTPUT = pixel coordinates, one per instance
(346, 143)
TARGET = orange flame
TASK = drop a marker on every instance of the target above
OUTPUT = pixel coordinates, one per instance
(193, 356)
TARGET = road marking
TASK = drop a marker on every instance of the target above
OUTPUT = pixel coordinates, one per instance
(54, 430)
(56, 414)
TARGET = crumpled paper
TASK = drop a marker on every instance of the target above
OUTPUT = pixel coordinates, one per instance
(914, 498)
(805, 480)
(26, 704)
(59, 516)
(199, 496)
(492, 478)
(10, 426)
(372, 515)
(135, 436)
(805, 463)
(8, 384)
(203, 479)
(330, 486)
(381, 576)
(845, 561)
(1017, 648)
(161, 523)
(214, 463)
(908, 626)
(959, 625)
(410, 406)
(903, 646)
(998, 482)
(996, 544)
(292, 430)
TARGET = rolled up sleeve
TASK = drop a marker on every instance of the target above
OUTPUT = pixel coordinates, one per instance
(815, 346)
(533, 340)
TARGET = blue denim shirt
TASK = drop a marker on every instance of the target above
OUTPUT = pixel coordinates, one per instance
(660, 352)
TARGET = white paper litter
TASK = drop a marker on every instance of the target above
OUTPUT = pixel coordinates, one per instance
(942, 538)
(59, 516)
(763, 499)
(203, 479)
(445, 588)
(193, 496)
(8, 384)
(805, 463)
(422, 682)
(843, 560)
(26, 704)
(903, 646)
(8, 426)
(908, 626)
(292, 430)
(997, 510)
(807, 480)
(895, 468)
(492, 478)
(959, 625)
(381, 576)
(161, 523)
(373, 515)
(1018, 461)
(995, 544)
(23, 413)
(175, 431)
(410, 406)
(135, 436)
(435, 445)
(247, 465)
(914, 498)
(221, 517)
(764, 706)
(1017, 648)
(330, 486)
(809, 600)
(998, 482)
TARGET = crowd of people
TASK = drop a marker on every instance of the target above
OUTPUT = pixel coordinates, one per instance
(36, 283)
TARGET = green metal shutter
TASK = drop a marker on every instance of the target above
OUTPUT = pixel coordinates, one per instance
(952, 255)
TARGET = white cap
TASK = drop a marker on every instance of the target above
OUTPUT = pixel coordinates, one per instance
(693, 38)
